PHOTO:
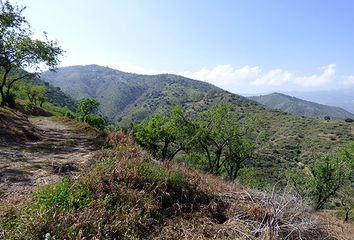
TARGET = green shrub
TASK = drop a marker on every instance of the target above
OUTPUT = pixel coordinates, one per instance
(64, 195)
(70, 114)
(248, 176)
(11, 99)
(96, 121)
(29, 106)
(155, 173)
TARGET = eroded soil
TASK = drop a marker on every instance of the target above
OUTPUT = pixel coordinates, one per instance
(25, 166)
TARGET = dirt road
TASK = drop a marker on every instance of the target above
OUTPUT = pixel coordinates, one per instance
(23, 167)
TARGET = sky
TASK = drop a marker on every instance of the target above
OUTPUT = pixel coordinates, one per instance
(243, 46)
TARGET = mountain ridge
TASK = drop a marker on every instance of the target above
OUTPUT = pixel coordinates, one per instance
(300, 107)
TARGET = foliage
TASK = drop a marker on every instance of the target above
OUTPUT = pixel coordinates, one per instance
(325, 177)
(96, 121)
(346, 198)
(70, 114)
(64, 195)
(215, 130)
(228, 140)
(87, 106)
(164, 135)
(130, 98)
(19, 51)
(218, 135)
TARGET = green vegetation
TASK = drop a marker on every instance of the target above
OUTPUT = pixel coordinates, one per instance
(215, 135)
(18, 50)
(165, 136)
(86, 106)
(128, 98)
(326, 178)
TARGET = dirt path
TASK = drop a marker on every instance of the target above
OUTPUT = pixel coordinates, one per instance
(24, 167)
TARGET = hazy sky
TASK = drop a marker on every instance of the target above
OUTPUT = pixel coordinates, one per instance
(243, 46)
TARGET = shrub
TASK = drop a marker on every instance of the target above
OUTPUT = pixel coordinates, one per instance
(11, 99)
(70, 114)
(29, 106)
(348, 120)
(96, 121)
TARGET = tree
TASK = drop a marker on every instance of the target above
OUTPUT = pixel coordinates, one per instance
(87, 106)
(215, 129)
(346, 197)
(325, 177)
(37, 94)
(165, 135)
(19, 52)
(242, 146)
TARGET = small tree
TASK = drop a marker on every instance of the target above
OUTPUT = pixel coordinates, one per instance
(346, 197)
(242, 147)
(215, 130)
(19, 52)
(87, 106)
(165, 135)
(323, 179)
(37, 94)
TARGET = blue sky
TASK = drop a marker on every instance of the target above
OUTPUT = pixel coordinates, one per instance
(244, 46)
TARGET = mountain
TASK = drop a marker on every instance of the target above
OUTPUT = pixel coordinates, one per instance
(301, 107)
(55, 95)
(343, 97)
(127, 96)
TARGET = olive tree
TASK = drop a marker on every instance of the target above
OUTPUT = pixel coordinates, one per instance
(326, 177)
(165, 135)
(20, 55)
(87, 106)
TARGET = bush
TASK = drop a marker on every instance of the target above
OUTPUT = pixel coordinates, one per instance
(348, 120)
(326, 176)
(70, 114)
(11, 99)
(96, 121)
(29, 106)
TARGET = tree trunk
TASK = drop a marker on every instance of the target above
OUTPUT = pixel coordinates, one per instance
(3, 82)
(165, 149)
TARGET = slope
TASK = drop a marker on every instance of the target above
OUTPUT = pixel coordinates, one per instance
(301, 107)
(126, 194)
(127, 97)
(55, 95)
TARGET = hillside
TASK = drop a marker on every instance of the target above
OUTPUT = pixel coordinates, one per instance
(300, 107)
(124, 193)
(342, 97)
(127, 97)
(55, 95)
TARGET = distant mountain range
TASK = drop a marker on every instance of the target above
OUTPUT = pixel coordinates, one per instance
(301, 107)
(343, 98)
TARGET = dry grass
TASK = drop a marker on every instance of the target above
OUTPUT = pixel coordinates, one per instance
(15, 127)
(126, 194)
